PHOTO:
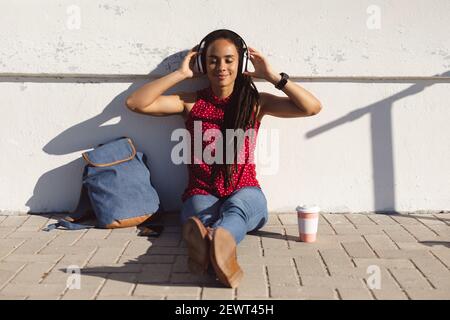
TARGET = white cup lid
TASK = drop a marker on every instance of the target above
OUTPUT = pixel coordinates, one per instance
(307, 208)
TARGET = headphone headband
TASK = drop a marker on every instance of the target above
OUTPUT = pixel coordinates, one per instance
(203, 42)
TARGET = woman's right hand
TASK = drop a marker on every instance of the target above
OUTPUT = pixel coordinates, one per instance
(187, 66)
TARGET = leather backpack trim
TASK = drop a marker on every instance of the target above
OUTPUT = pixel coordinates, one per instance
(133, 154)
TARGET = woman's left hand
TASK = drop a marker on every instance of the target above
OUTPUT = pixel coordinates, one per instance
(262, 68)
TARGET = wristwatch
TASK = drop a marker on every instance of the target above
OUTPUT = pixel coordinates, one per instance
(284, 78)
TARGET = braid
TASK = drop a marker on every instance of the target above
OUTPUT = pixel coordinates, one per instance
(238, 116)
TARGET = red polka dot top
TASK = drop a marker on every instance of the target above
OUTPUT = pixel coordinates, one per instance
(209, 109)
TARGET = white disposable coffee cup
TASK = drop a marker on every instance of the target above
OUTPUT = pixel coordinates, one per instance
(308, 221)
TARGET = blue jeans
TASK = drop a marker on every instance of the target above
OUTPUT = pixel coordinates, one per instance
(242, 211)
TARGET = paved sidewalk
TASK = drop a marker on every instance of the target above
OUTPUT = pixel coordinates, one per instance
(356, 256)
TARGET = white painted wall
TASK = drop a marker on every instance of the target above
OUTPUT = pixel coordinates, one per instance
(376, 145)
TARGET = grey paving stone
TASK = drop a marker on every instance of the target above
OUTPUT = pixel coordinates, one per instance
(333, 281)
(282, 275)
(41, 290)
(359, 219)
(358, 250)
(410, 278)
(121, 287)
(336, 258)
(400, 235)
(381, 241)
(427, 294)
(390, 294)
(14, 221)
(217, 293)
(442, 254)
(310, 265)
(303, 293)
(355, 294)
(382, 219)
(421, 232)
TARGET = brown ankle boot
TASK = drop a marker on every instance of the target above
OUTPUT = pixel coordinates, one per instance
(224, 258)
(197, 240)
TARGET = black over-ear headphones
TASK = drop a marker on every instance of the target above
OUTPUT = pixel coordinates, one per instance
(202, 69)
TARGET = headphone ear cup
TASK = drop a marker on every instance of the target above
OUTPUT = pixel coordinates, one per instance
(244, 61)
(202, 69)
(198, 65)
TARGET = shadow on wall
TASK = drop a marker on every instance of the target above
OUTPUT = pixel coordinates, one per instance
(383, 174)
(151, 135)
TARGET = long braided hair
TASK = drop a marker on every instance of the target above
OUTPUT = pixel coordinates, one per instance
(239, 113)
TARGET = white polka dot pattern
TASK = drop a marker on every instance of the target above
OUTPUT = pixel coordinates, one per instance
(209, 109)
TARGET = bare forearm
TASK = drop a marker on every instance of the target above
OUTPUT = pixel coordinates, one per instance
(149, 92)
(300, 96)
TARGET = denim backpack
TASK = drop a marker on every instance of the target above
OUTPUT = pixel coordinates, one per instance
(116, 188)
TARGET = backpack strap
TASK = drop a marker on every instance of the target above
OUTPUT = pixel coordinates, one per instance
(68, 225)
(83, 212)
